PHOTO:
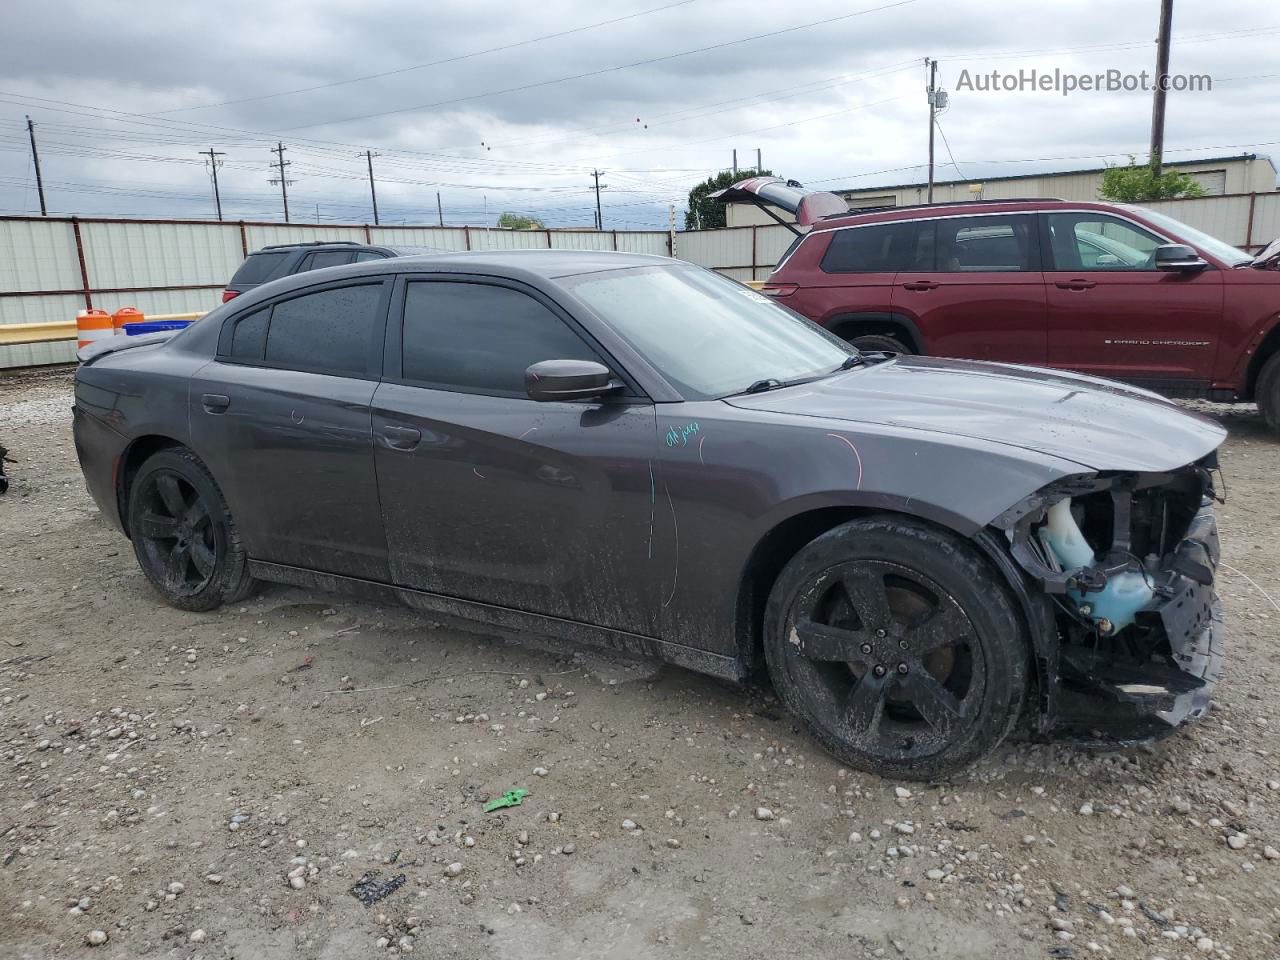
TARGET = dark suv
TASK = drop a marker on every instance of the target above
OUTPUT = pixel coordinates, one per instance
(1099, 288)
(286, 259)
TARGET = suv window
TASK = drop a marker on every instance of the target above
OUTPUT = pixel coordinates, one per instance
(480, 338)
(880, 248)
(986, 244)
(257, 267)
(364, 255)
(326, 258)
(1091, 241)
(328, 331)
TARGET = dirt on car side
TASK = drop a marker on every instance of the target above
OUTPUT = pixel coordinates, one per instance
(217, 784)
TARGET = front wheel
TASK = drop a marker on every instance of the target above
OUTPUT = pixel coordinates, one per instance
(898, 646)
(1267, 392)
(183, 535)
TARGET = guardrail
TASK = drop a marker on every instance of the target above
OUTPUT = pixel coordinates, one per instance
(13, 334)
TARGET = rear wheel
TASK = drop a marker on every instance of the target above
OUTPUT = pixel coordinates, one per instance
(879, 343)
(898, 646)
(183, 535)
(1267, 392)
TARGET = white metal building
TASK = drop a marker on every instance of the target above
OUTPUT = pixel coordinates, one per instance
(1218, 176)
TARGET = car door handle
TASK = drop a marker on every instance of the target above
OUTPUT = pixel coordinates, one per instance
(215, 403)
(1074, 284)
(920, 285)
(401, 438)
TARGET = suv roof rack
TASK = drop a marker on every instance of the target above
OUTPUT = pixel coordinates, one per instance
(943, 203)
(313, 243)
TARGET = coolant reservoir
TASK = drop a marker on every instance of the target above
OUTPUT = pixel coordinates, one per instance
(1125, 593)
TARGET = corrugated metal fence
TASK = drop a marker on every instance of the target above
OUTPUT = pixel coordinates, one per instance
(52, 267)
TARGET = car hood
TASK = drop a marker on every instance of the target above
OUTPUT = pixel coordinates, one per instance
(1096, 423)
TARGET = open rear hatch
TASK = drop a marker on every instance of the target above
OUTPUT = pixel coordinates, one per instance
(807, 206)
(1268, 259)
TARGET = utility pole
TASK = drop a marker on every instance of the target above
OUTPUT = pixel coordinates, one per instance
(214, 164)
(599, 215)
(369, 155)
(1162, 79)
(932, 67)
(735, 161)
(35, 158)
(439, 209)
(759, 162)
(284, 182)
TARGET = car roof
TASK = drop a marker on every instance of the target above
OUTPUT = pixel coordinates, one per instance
(924, 211)
(512, 264)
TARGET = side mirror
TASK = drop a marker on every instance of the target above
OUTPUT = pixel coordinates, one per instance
(568, 380)
(1179, 257)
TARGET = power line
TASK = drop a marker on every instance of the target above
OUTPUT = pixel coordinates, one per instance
(424, 66)
(603, 70)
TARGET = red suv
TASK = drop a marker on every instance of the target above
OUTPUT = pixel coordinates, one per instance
(1099, 288)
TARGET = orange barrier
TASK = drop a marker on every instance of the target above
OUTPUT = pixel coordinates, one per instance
(125, 315)
(93, 325)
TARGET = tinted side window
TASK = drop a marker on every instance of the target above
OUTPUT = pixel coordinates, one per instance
(258, 267)
(249, 338)
(326, 258)
(1088, 241)
(481, 338)
(329, 331)
(882, 248)
(364, 255)
(987, 244)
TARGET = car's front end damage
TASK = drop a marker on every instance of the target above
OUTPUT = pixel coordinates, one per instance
(1121, 566)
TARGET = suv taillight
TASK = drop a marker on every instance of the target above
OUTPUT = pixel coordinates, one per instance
(779, 289)
(229, 295)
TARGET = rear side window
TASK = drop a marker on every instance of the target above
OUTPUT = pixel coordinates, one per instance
(326, 258)
(364, 255)
(479, 338)
(258, 267)
(880, 248)
(249, 338)
(986, 244)
(329, 331)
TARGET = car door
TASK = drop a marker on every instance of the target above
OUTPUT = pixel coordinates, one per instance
(983, 295)
(1113, 314)
(282, 418)
(855, 277)
(487, 495)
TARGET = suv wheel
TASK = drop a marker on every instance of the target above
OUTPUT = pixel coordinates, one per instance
(898, 646)
(879, 343)
(1267, 392)
(183, 535)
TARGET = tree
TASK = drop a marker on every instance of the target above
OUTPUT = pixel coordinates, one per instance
(707, 214)
(1134, 184)
(518, 221)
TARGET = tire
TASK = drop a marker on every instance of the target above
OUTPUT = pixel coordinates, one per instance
(879, 343)
(898, 646)
(1267, 392)
(183, 535)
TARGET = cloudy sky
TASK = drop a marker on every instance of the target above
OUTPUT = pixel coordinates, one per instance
(510, 106)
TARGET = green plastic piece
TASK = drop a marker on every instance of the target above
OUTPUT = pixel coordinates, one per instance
(512, 798)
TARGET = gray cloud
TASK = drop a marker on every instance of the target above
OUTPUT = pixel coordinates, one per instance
(143, 57)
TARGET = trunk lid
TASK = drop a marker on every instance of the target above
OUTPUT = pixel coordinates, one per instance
(808, 206)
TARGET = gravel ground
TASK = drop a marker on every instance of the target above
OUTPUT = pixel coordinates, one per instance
(215, 785)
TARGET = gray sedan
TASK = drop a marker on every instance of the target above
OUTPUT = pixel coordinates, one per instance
(924, 555)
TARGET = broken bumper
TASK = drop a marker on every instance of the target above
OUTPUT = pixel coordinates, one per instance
(1110, 700)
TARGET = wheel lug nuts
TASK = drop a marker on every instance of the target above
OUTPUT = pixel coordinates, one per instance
(902, 668)
(881, 633)
(866, 648)
(902, 644)
(879, 670)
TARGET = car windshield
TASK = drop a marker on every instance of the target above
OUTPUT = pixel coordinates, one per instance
(1198, 238)
(708, 335)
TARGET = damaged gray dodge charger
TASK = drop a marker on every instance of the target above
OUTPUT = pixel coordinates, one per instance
(925, 555)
